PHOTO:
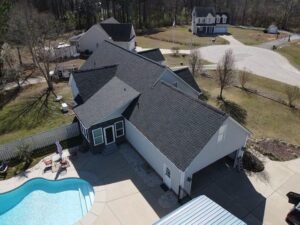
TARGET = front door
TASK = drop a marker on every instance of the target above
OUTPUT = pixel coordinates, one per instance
(109, 135)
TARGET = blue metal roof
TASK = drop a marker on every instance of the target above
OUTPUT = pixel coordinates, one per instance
(200, 210)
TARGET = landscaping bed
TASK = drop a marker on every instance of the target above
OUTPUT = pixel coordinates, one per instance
(275, 149)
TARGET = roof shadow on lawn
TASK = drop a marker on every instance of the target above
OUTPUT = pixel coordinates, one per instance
(230, 189)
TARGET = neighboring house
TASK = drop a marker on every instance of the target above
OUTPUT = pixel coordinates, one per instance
(200, 210)
(153, 54)
(205, 21)
(122, 95)
(272, 29)
(122, 34)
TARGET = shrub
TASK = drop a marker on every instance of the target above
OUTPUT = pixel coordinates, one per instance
(252, 163)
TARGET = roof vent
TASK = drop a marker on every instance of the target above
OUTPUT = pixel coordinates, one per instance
(125, 89)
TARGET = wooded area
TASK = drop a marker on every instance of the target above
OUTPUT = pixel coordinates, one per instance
(81, 14)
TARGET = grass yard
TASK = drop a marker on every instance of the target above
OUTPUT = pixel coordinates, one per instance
(32, 112)
(292, 52)
(181, 37)
(265, 118)
(252, 37)
(180, 60)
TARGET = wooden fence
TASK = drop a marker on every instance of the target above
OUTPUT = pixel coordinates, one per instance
(41, 140)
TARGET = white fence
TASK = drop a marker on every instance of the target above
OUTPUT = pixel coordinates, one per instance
(10, 150)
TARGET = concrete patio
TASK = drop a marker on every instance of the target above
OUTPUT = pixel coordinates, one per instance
(127, 190)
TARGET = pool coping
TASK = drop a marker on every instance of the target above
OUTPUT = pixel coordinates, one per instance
(18, 181)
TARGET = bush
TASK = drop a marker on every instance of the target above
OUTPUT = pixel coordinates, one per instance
(252, 163)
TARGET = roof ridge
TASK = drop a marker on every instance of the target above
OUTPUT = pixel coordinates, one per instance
(136, 54)
(195, 99)
(97, 68)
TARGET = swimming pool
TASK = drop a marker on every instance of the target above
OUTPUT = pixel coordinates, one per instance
(40, 201)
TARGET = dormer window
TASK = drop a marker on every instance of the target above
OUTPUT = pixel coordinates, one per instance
(218, 19)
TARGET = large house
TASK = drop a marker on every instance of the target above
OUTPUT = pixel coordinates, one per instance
(206, 21)
(122, 34)
(124, 96)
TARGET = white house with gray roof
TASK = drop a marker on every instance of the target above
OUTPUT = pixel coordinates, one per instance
(124, 96)
(206, 21)
(122, 34)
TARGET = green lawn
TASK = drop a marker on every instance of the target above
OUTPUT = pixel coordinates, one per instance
(25, 115)
(252, 37)
(292, 52)
(178, 36)
(180, 60)
(266, 118)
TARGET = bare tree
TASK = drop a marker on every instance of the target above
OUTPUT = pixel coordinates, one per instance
(244, 78)
(11, 70)
(195, 62)
(225, 71)
(37, 31)
(292, 93)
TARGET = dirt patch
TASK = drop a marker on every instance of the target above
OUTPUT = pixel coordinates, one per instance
(276, 150)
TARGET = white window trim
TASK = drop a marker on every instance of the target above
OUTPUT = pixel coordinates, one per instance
(93, 132)
(113, 134)
(123, 131)
(84, 131)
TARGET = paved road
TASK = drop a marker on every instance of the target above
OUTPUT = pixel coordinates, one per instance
(35, 80)
(281, 41)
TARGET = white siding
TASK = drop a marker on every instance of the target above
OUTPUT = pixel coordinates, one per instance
(171, 78)
(234, 138)
(92, 38)
(73, 87)
(152, 155)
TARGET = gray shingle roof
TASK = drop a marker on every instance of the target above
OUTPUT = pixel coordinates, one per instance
(137, 71)
(113, 95)
(121, 32)
(187, 76)
(177, 124)
(153, 54)
(204, 11)
(89, 82)
(110, 20)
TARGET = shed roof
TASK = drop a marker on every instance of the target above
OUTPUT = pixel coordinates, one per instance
(200, 210)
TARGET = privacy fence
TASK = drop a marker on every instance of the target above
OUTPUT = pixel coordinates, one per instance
(39, 141)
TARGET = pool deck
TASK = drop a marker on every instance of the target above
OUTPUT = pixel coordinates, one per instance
(127, 190)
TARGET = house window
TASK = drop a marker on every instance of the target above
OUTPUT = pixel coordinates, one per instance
(221, 134)
(98, 136)
(224, 19)
(218, 19)
(119, 128)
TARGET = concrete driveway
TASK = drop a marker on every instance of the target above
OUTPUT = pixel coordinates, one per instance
(258, 198)
(260, 61)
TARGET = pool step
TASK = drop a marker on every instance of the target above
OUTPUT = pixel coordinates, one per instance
(87, 198)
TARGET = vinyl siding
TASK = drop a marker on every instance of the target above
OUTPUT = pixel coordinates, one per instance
(152, 155)
(234, 138)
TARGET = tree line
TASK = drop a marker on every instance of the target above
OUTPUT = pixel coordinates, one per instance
(155, 13)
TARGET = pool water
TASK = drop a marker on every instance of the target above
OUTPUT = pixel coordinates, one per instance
(44, 202)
